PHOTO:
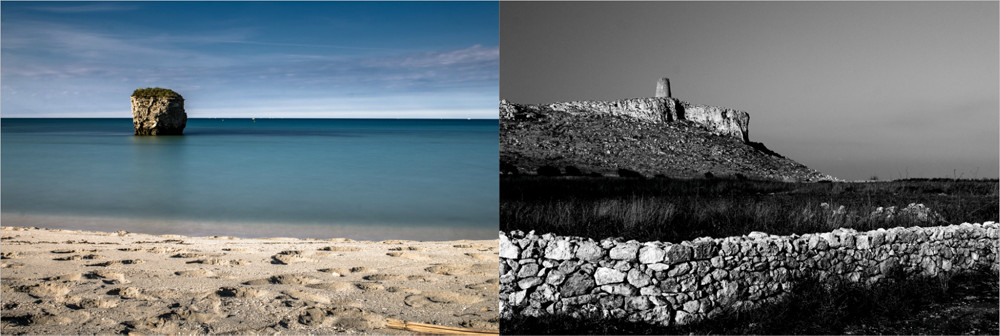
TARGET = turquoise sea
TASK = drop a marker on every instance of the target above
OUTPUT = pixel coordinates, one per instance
(309, 178)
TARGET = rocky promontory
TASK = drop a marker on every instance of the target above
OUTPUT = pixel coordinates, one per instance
(653, 136)
(157, 111)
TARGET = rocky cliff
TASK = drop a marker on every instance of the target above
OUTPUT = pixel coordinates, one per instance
(651, 136)
(158, 111)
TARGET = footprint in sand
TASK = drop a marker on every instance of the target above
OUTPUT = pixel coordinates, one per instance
(219, 262)
(405, 255)
(9, 255)
(284, 279)
(45, 289)
(89, 303)
(8, 264)
(339, 272)
(384, 277)
(485, 287)
(45, 318)
(369, 286)
(333, 286)
(404, 290)
(288, 257)
(107, 277)
(66, 277)
(339, 318)
(188, 255)
(484, 257)
(130, 293)
(306, 296)
(67, 251)
(462, 246)
(240, 292)
(443, 297)
(196, 273)
(230, 249)
(118, 262)
(340, 249)
(362, 269)
(158, 249)
(408, 248)
(450, 269)
(147, 295)
(79, 257)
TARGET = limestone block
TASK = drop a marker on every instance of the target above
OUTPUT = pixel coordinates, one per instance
(626, 251)
(650, 254)
(589, 251)
(605, 275)
(507, 249)
(638, 278)
(577, 284)
(677, 253)
(559, 250)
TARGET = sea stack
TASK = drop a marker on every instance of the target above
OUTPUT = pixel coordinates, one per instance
(158, 111)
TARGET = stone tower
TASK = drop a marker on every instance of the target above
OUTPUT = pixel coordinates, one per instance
(663, 88)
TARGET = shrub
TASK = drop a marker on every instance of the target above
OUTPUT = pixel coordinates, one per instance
(573, 171)
(548, 171)
(155, 93)
(508, 169)
(622, 172)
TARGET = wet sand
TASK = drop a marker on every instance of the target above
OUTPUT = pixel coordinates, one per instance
(81, 282)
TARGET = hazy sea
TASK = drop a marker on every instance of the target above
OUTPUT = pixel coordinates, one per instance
(309, 178)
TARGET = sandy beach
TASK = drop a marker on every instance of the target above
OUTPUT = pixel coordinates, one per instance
(83, 282)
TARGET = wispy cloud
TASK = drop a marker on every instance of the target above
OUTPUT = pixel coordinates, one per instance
(86, 8)
(306, 45)
(476, 54)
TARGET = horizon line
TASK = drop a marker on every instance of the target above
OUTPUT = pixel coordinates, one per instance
(378, 118)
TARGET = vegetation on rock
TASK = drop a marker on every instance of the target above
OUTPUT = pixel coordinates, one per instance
(155, 93)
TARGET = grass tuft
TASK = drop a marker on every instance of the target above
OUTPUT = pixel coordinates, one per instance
(155, 93)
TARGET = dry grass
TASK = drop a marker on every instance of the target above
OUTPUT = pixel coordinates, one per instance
(675, 210)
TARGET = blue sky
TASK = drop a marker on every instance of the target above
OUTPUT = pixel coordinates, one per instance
(252, 59)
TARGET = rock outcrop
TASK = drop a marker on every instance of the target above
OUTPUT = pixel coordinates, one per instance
(654, 136)
(157, 111)
(657, 110)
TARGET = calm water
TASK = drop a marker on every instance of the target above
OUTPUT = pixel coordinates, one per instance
(356, 178)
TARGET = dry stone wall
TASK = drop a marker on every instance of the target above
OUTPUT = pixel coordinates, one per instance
(668, 284)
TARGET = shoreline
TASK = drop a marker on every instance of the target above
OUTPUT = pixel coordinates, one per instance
(245, 230)
(87, 282)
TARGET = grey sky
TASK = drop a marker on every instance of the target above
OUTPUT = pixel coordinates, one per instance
(853, 89)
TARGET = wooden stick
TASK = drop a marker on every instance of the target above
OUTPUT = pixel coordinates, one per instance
(435, 329)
